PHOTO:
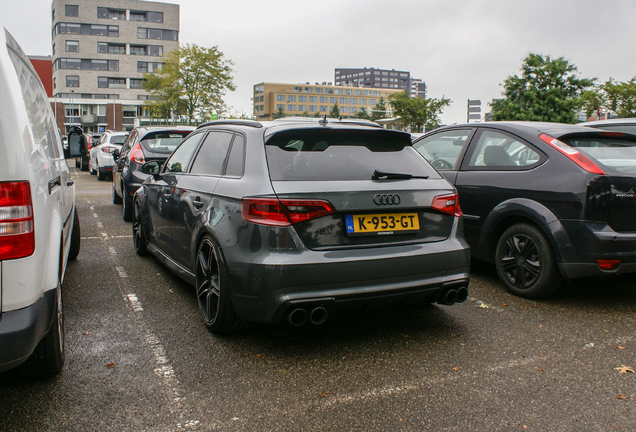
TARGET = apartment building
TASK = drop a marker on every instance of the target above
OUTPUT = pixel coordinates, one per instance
(305, 99)
(101, 49)
(380, 79)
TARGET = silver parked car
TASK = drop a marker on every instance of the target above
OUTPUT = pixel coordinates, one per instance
(100, 160)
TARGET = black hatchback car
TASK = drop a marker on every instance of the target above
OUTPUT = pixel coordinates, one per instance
(543, 201)
(298, 220)
(144, 144)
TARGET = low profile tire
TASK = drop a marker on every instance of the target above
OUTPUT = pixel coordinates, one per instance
(116, 198)
(525, 262)
(126, 206)
(75, 238)
(101, 176)
(213, 290)
(139, 236)
(48, 357)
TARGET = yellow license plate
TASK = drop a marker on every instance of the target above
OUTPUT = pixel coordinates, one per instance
(382, 224)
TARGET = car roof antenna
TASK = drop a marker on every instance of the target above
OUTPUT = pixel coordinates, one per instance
(323, 120)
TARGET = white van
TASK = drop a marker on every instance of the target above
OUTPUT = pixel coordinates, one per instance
(39, 225)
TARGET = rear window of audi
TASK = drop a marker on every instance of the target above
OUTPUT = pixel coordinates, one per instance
(337, 155)
(163, 142)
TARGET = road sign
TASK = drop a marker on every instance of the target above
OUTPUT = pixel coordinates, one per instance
(473, 102)
(214, 116)
(474, 109)
(474, 116)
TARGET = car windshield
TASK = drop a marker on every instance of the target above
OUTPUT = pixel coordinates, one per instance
(311, 154)
(617, 153)
(163, 142)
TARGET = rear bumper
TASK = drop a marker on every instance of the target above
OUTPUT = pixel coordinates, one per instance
(359, 279)
(21, 330)
(592, 241)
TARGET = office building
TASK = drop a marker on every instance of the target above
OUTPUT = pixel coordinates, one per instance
(306, 99)
(101, 51)
(380, 79)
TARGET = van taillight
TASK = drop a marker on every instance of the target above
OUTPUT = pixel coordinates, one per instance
(447, 204)
(265, 211)
(573, 154)
(137, 154)
(17, 238)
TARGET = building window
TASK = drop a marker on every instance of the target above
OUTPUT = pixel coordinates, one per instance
(136, 83)
(53, 49)
(373, 101)
(323, 99)
(68, 28)
(308, 90)
(333, 100)
(329, 91)
(291, 98)
(343, 109)
(363, 101)
(313, 99)
(72, 46)
(347, 92)
(302, 98)
(149, 66)
(105, 82)
(318, 90)
(280, 98)
(117, 14)
(302, 107)
(337, 91)
(357, 92)
(156, 17)
(138, 49)
(312, 108)
(376, 93)
(291, 107)
(353, 109)
(280, 107)
(343, 100)
(72, 81)
(155, 50)
(353, 101)
(149, 33)
(106, 48)
(298, 89)
(71, 10)
(323, 108)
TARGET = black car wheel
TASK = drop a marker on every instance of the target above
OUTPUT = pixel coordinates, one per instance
(75, 238)
(525, 262)
(77, 162)
(126, 205)
(48, 357)
(213, 290)
(83, 165)
(139, 237)
(116, 198)
(101, 176)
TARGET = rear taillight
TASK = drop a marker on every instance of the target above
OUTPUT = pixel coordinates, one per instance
(447, 204)
(107, 149)
(284, 212)
(17, 238)
(608, 264)
(573, 154)
(137, 154)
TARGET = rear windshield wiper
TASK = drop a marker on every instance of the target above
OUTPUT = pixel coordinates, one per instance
(381, 175)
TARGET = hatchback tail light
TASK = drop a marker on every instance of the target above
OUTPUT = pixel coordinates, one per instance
(137, 154)
(447, 204)
(17, 237)
(573, 154)
(276, 212)
(107, 149)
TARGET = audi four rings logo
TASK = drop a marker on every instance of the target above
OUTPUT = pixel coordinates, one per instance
(391, 199)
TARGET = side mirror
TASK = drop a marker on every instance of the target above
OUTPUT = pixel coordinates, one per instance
(151, 168)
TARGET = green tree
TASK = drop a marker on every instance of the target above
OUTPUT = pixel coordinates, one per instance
(306, 113)
(335, 111)
(280, 113)
(193, 79)
(379, 112)
(547, 90)
(620, 97)
(362, 114)
(317, 114)
(416, 112)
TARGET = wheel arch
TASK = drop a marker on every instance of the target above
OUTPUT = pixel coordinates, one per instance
(522, 210)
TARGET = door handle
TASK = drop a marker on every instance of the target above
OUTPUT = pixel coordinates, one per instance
(197, 203)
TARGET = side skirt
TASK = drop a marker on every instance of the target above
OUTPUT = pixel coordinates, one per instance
(175, 267)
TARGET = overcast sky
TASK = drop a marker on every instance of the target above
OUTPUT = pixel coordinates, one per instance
(462, 49)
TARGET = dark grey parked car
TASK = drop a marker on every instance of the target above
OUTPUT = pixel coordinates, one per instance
(299, 220)
(627, 125)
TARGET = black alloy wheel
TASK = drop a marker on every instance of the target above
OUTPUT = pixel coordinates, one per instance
(139, 237)
(213, 290)
(525, 262)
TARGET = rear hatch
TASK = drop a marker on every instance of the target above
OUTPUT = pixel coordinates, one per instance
(381, 191)
(615, 154)
(157, 146)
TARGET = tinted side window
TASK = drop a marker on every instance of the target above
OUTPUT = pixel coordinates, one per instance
(181, 156)
(211, 157)
(236, 160)
(442, 149)
(499, 150)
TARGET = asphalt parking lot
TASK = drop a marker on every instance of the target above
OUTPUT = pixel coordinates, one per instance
(139, 358)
